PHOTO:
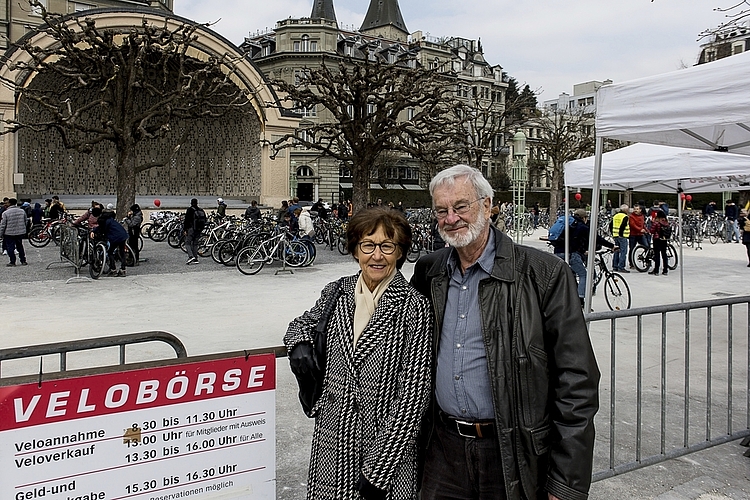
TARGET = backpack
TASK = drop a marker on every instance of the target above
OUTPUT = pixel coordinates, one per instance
(665, 232)
(557, 229)
(199, 219)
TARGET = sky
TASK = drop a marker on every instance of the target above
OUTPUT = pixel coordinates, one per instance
(548, 44)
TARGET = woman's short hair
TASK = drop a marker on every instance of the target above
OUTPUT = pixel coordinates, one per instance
(366, 222)
(448, 177)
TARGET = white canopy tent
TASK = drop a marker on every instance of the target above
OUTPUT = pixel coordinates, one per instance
(704, 107)
(659, 169)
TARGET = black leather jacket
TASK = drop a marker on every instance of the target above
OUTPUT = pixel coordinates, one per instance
(542, 367)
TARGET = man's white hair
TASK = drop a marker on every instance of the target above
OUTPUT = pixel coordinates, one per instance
(449, 176)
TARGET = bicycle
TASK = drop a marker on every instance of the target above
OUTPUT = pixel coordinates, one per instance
(643, 257)
(616, 289)
(98, 259)
(251, 259)
(49, 230)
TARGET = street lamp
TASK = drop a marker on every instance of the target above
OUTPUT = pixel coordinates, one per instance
(520, 174)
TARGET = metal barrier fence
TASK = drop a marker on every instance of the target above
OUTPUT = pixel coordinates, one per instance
(677, 380)
(63, 348)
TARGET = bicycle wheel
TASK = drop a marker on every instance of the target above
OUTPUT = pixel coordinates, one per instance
(228, 252)
(204, 246)
(642, 258)
(616, 292)
(312, 252)
(215, 256)
(341, 245)
(129, 256)
(146, 228)
(175, 237)
(295, 254)
(713, 238)
(56, 233)
(38, 237)
(158, 233)
(98, 261)
(251, 260)
(414, 251)
(672, 257)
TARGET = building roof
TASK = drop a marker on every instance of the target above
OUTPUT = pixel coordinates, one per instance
(323, 9)
(384, 13)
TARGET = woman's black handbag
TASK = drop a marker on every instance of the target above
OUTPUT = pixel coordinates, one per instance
(308, 361)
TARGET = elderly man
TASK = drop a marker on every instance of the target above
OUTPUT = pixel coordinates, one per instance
(512, 413)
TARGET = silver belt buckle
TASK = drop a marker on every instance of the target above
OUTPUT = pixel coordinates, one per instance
(458, 428)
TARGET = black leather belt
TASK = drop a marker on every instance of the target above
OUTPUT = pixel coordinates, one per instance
(476, 430)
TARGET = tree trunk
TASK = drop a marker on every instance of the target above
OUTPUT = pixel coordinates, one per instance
(557, 187)
(361, 185)
(125, 181)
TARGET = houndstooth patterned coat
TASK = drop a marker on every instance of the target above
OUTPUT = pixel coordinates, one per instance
(374, 396)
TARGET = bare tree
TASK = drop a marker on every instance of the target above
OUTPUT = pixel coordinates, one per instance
(735, 14)
(486, 123)
(369, 109)
(565, 135)
(120, 88)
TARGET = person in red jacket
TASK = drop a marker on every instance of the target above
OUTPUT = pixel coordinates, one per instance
(637, 223)
(660, 231)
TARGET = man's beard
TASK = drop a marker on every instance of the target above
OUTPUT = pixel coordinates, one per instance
(475, 229)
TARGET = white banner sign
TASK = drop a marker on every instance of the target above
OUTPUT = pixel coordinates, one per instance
(198, 430)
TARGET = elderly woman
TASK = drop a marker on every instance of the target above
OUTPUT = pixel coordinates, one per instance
(377, 380)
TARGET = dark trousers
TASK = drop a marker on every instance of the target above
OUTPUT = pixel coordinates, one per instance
(11, 244)
(133, 237)
(660, 253)
(116, 250)
(191, 243)
(460, 468)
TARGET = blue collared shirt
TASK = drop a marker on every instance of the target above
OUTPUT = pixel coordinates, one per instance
(462, 386)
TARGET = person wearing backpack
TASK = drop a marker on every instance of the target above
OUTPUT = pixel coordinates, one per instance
(661, 232)
(195, 221)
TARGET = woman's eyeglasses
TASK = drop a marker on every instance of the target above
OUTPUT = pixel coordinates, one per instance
(386, 247)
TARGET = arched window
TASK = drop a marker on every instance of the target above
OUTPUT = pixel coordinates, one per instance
(305, 171)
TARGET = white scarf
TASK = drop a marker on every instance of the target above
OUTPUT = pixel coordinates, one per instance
(366, 301)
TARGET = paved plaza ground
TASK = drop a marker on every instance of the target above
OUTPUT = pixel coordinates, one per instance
(215, 309)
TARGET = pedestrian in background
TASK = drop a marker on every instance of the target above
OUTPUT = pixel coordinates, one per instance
(621, 235)
(744, 223)
(13, 231)
(253, 212)
(221, 207)
(193, 225)
(133, 221)
(660, 234)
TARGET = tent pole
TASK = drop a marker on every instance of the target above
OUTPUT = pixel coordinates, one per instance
(567, 229)
(594, 223)
(679, 229)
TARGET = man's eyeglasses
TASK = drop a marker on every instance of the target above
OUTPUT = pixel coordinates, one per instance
(386, 247)
(460, 209)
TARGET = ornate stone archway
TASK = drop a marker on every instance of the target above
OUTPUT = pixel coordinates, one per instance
(225, 157)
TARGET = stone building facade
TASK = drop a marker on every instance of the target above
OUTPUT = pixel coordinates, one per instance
(297, 43)
(225, 157)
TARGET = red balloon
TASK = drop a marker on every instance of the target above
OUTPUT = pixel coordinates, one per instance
(157, 203)
(578, 196)
(689, 197)
(682, 196)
